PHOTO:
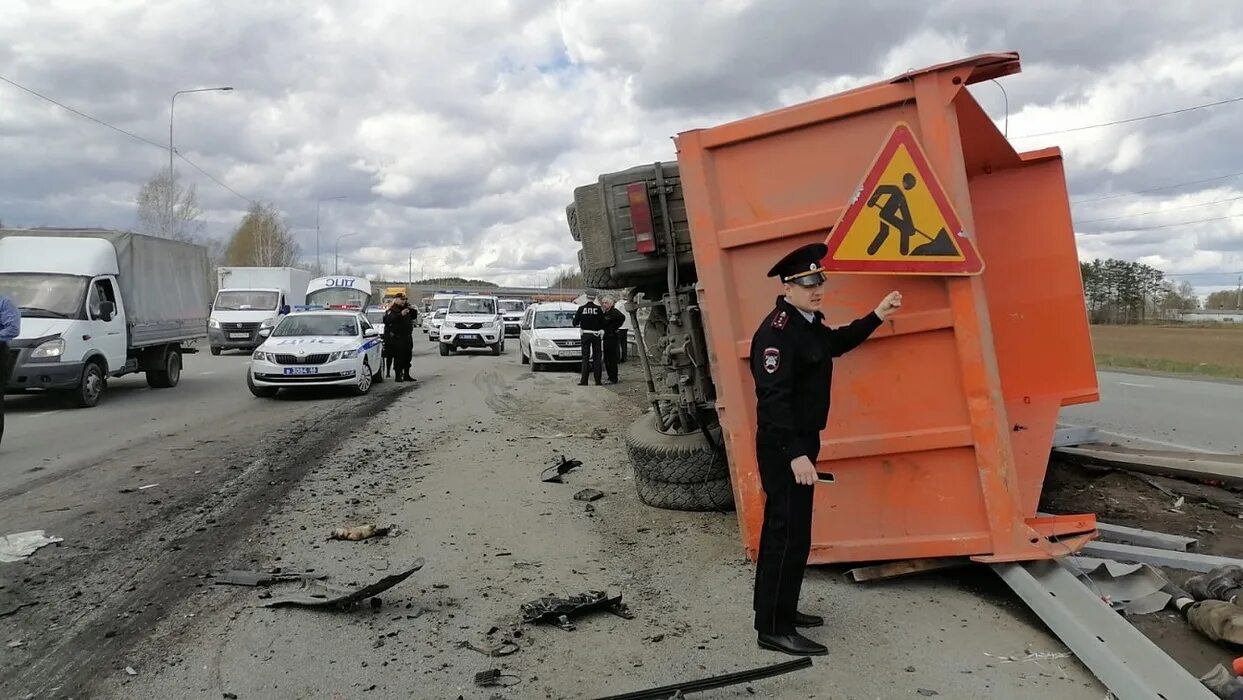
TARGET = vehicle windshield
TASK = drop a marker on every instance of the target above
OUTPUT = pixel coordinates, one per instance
(316, 324)
(554, 319)
(512, 306)
(440, 314)
(242, 300)
(338, 295)
(40, 295)
(438, 304)
(375, 316)
(468, 305)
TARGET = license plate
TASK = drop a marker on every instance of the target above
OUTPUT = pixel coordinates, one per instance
(301, 370)
(239, 335)
(468, 336)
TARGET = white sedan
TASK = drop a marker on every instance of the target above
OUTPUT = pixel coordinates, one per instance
(317, 348)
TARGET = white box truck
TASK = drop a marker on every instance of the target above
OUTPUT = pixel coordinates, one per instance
(97, 304)
(250, 298)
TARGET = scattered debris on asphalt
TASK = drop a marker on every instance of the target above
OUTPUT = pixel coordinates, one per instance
(258, 578)
(1132, 589)
(493, 678)
(503, 649)
(588, 495)
(598, 433)
(927, 693)
(229, 696)
(14, 607)
(559, 610)
(360, 532)
(129, 671)
(558, 469)
(19, 545)
(677, 690)
(1036, 656)
(15, 644)
(319, 594)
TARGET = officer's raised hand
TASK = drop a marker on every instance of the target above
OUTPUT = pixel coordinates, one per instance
(889, 305)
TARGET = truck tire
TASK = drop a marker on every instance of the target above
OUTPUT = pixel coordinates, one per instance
(673, 459)
(262, 392)
(571, 218)
(591, 221)
(170, 375)
(715, 495)
(215, 350)
(600, 279)
(91, 385)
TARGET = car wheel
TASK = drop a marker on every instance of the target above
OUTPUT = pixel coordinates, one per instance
(364, 379)
(498, 348)
(525, 360)
(444, 349)
(90, 386)
(262, 392)
(378, 377)
(215, 350)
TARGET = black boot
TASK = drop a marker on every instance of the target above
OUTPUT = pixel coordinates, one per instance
(794, 644)
(805, 620)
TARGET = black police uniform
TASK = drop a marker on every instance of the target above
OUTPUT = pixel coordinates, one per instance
(398, 338)
(590, 319)
(613, 321)
(792, 365)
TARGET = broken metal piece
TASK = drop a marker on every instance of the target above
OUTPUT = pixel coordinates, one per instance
(558, 469)
(1073, 436)
(318, 594)
(1132, 589)
(1189, 561)
(19, 545)
(493, 678)
(557, 609)
(503, 649)
(360, 532)
(906, 567)
(588, 495)
(677, 690)
(258, 578)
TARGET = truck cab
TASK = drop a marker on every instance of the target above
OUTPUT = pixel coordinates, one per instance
(238, 314)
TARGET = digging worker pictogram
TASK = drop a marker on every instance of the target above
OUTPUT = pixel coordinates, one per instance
(896, 212)
(792, 364)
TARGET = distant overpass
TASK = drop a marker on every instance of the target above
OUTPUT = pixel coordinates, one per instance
(418, 291)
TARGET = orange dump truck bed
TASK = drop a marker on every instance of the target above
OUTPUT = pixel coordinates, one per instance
(942, 422)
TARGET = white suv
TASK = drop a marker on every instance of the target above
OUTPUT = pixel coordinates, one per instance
(472, 321)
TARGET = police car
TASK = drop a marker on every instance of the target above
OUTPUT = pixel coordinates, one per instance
(317, 348)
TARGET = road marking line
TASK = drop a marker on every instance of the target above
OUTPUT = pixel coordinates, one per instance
(1154, 441)
(208, 373)
(1142, 386)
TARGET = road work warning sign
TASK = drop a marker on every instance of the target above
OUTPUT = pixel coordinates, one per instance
(900, 221)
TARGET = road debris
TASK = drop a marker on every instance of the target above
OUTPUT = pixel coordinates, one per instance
(14, 607)
(1132, 589)
(15, 644)
(493, 678)
(129, 671)
(926, 693)
(360, 532)
(588, 495)
(554, 473)
(1035, 656)
(559, 610)
(257, 578)
(318, 594)
(503, 649)
(19, 545)
(677, 690)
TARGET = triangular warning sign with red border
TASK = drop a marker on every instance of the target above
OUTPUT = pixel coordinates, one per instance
(900, 222)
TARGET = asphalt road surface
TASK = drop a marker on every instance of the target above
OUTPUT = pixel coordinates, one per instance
(1178, 414)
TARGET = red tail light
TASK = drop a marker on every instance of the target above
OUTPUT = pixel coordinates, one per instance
(641, 218)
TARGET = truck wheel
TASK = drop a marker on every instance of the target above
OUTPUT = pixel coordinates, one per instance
(364, 380)
(600, 279)
(674, 459)
(215, 350)
(90, 386)
(169, 376)
(715, 495)
(263, 392)
(444, 349)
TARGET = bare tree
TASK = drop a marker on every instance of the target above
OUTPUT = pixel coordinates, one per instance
(262, 239)
(153, 209)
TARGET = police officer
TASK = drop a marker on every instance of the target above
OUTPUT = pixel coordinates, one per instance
(10, 328)
(613, 321)
(590, 319)
(792, 364)
(398, 335)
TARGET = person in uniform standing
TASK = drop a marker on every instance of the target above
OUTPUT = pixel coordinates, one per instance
(613, 320)
(10, 328)
(792, 364)
(399, 335)
(590, 319)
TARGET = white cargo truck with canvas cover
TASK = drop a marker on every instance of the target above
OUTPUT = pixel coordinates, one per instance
(97, 304)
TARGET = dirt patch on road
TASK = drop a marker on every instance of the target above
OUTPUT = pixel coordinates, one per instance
(1208, 513)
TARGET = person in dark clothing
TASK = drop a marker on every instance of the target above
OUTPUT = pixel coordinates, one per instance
(613, 320)
(10, 328)
(590, 319)
(792, 364)
(399, 323)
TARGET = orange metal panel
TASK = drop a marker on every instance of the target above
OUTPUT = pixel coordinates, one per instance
(942, 422)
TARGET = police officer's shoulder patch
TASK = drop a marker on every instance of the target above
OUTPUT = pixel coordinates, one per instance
(772, 360)
(780, 320)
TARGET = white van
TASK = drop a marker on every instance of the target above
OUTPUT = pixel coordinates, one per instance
(548, 335)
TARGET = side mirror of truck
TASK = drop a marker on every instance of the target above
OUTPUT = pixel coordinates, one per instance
(107, 310)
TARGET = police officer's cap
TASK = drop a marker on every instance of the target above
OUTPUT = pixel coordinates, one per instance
(591, 293)
(802, 266)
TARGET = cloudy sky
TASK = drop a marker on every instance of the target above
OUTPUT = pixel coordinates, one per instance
(457, 130)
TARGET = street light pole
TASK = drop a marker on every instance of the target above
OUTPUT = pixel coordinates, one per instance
(172, 179)
(318, 266)
(336, 265)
